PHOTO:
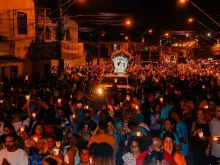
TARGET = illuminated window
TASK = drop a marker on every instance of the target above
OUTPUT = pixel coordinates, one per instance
(22, 23)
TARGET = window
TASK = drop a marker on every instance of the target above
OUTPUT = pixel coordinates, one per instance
(22, 23)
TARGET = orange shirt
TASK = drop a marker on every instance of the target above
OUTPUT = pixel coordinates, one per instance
(100, 138)
(179, 158)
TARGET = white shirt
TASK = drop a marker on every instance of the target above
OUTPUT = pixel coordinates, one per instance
(19, 124)
(77, 159)
(214, 129)
(17, 157)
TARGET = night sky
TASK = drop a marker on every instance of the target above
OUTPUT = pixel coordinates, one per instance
(160, 15)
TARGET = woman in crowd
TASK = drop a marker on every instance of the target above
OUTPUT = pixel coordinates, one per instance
(103, 154)
(129, 158)
(200, 136)
(169, 146)
(38, 131)
(72, 156)
(169, 126)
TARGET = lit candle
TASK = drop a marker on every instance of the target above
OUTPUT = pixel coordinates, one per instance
(161, 99)
(71, 96)
(139, 134)
(91, 160)
(203, 86)
(136, 107)
(22, 128)
(27, 97)
(74, 115)
(157, 117)
(33, 115)
(35, 139)
(26, 77)
(86, 107)
(206, 107)
(12, 89)
(59, 100)
(1, 101)
(215, 138)
(200, 134)
(58, 144)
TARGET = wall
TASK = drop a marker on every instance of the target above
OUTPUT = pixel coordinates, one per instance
(9, 26)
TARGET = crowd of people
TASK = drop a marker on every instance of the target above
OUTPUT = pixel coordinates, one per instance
(173, 112)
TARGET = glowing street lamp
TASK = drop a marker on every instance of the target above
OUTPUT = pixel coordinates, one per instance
(128, 22)
(184, 1)
(209, 34)
(190, 20)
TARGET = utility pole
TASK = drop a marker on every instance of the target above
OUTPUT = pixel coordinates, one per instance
(60, 26)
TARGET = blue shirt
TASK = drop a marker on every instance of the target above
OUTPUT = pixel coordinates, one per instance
(177, 141)
(140, 117)
(80, 114)
(183, 132)
(165, 111)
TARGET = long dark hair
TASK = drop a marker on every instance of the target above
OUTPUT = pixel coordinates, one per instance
(170, 135)
(34, 128)
(133, 139)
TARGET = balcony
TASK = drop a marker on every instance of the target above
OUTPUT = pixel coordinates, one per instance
(7, 48)
(57, 50)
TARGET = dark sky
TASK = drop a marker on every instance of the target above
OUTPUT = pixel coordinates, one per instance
(160, 15)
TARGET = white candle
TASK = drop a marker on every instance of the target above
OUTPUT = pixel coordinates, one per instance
(59, 100)
(216, 138)
(33, 115)
(22, 128)
(139, 134)
(206, 107)
(58, 144)
(200, 134)
(27, 97)
(35, 139)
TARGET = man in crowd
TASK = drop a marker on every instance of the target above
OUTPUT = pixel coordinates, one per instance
(11, 155)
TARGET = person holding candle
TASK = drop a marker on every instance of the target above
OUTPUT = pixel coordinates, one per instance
(200, 135)
(214, 140)
(129, 158)
(156, 123)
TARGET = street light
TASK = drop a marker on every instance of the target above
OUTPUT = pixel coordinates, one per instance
(128, 22)
(184, 1)
(191, 20)
(209, 34)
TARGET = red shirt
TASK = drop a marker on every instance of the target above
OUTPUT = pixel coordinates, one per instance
(166, 155)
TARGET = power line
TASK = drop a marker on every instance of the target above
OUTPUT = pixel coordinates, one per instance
(69, 6)
(61, 6)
